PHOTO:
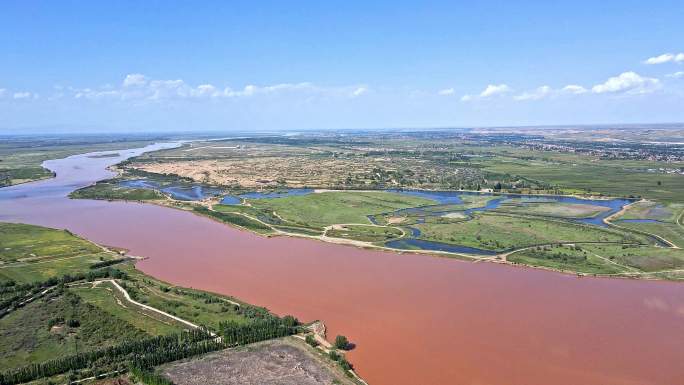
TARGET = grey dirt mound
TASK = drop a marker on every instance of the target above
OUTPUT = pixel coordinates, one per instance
(281, 362)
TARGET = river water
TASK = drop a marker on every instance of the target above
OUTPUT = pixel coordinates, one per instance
(415, 319)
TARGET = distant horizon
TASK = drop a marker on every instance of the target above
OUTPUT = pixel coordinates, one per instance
(25, 131)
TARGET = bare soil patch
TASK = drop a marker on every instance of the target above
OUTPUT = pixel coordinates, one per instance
(282, 362)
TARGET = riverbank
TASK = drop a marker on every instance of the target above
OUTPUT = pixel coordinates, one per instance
(499, 257)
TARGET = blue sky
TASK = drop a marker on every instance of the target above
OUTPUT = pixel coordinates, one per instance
(301, 65)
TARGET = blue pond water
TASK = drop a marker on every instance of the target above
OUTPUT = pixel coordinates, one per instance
(180, 192)
(412, 243)
(231, 200)
(455, 198)
(277, 194)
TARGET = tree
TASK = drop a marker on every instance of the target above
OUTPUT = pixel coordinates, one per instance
(290, 321)
(341, 342)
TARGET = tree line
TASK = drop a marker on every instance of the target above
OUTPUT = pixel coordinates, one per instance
(149, 352)
(234, 333)
(143, 353)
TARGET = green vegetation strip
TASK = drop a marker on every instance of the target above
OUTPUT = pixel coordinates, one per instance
(328, 208)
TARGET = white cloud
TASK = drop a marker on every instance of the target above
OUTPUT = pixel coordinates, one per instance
(250, 90)
(490, 91)
(676, 75)
(141, 88)
(574, 89)
(3, 91)
(447, 92)
(537, 94)
(23, 95)
(359, 91)
(629, 83)
(495, 89)
(544, 92)
(133, 80)
(206, 90)
(666, 58)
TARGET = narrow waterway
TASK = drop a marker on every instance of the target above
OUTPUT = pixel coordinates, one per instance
(415, 319)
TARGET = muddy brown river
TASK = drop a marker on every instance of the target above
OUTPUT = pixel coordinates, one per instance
(415, 319)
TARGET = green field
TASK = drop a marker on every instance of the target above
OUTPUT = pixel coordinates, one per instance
(39, 331)
(365, 233)
(603, 259)
(109, 300)
(568, 258)
(613, 178)
(324, 209)
(667, 219)
(32, 253)
(552, 209)
(504, 232)
(112, 191)
(670, 231)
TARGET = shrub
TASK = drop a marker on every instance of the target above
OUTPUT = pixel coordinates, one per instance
(311, 340)
(334, 355)
(73, 323)
(341, 342)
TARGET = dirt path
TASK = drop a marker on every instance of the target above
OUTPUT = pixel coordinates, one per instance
(128, 298)
(608, 260)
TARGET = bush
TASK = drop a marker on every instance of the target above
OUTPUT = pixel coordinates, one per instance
(344, 364)
(290, 321)
(73, 323)
(55, 321)
(311, 340)
(334, 355)
(341, 342)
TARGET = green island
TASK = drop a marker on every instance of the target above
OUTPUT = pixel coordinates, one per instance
(73, 311)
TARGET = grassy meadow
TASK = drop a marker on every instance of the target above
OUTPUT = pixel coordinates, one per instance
(328, 208)
(32, 253)
(504, 232)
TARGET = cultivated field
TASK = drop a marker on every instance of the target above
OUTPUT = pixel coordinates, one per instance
(32, 253)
